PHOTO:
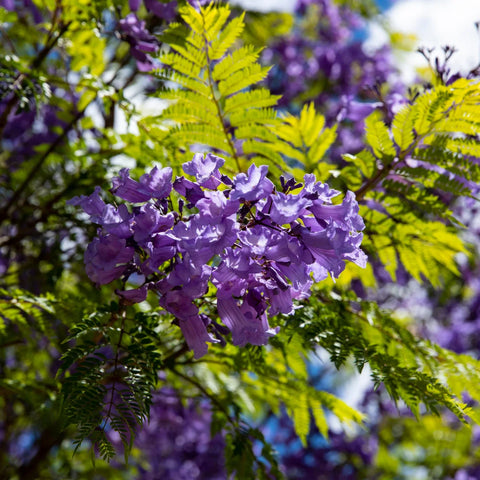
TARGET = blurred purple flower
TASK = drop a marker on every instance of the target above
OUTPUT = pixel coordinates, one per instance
(106, 258)
(141, 41)
(167, 11)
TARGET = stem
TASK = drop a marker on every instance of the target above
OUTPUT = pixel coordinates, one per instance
(383, 173)
(221, 115)
(173, 356)
(374, 181)
(115, 366)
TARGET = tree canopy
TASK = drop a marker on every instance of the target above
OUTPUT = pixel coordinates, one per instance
(233, 245)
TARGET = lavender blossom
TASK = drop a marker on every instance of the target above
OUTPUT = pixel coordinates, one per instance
(106, 258)
(254, 249)
(156, 184)
(141, 41)
(166, 11)
(245, 322)
(253, 185)
(205, 169)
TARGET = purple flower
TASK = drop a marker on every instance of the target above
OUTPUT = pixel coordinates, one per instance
(191, 278)
(292, 259)
(167, 11)
(140, 40)
(8, 5)
(354, 253)
(253, 185)
(161, 248)
(257, 265)
(238, 261)
(287, 208)
(354, 110)
(204, 240)
(156, 184)
(215, 206)
(178, 303)
(317, 190)
(24, 7)
(134, 5)
(344, 216)
(106, 258)
(196, 335)
(258, 239)
(280, 302)
(330, 248)
(198, 3)
(18, 122)
(190, 190)
(244, 322)
(228, 281)
(149, 221)
(287, 255)
(205, 170)
(118, 222)
(135, 295)
(93, 205)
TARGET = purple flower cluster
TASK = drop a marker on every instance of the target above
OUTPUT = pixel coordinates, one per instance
(142, 43)
(134, 30)
(329, 51)
(176, 442)
(257, 246)
(163, 10)
(325, 61)
(23, 8)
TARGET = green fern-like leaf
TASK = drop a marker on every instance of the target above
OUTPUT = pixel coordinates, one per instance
(306, 140)
(378, 136)
(218, 104)
(19, 308)
(216, 99)
(109, 374)
(411, 369)
(412, 171)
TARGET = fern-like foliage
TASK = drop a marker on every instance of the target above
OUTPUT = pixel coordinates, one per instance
(253, 381)
(110, 372)
(411, 369)
(217, 104)
(21, 311)
(305, 139)
(410, 174)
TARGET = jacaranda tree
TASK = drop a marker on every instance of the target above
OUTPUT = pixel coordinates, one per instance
(210, 220)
